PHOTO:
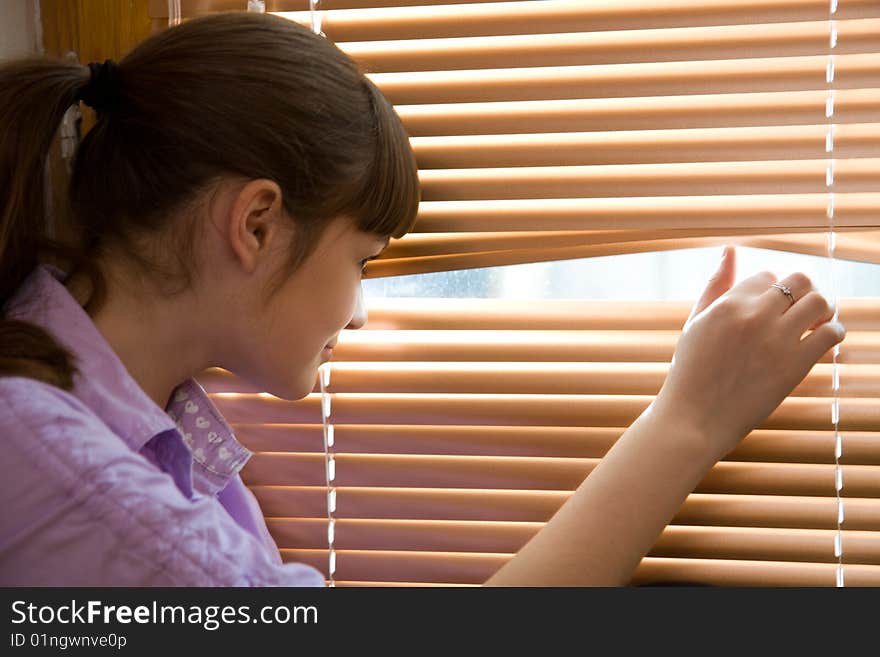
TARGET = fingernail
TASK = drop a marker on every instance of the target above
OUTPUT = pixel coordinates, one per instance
(840, 328)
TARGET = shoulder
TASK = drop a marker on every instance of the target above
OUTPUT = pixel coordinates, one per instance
(25, 397)
(82, 509)
(45, 423)
(69, 480)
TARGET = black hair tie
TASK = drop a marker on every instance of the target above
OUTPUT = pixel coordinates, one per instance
(101, 93)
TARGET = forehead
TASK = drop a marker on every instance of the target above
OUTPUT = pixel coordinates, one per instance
(347, 231)
(368, 239)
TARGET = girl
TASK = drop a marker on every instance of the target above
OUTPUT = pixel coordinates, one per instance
(240, 174)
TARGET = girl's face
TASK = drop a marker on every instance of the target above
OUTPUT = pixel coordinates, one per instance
(281, 346)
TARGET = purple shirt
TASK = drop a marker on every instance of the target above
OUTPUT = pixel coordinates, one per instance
(101, 487)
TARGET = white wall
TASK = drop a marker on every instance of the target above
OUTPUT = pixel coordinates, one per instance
(17, 28)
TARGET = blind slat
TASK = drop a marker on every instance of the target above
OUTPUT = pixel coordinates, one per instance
(354, 583)
(776, 445)
(856, 380)
(413, 313)
(804, 413)
(534, 473)
(549, 16)
(721, 211)
(854, 245)
(158, 9)
(773, 544)
(718, 572)
(646, 147)
(814, 8)
(627, 80)
(363, 565)
(654, 180)
(560, 346)
(640, 113)
(402, 566)
(590, 48)
(539, 506)
(433, 244)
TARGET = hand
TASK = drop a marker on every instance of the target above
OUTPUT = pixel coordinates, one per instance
(740, 353)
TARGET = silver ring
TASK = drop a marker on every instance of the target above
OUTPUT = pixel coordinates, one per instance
(785, 290)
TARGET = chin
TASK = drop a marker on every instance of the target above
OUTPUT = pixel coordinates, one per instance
(293, 389)
(301, 389)
(290, 394)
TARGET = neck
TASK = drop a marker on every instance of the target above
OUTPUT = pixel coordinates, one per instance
(149, 334)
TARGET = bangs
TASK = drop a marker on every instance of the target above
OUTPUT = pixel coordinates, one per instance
(389, 194)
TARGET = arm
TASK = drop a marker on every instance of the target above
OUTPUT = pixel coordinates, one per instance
(741, 352)
(599, 536)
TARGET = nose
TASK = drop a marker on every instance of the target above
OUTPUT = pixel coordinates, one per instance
(359, 319)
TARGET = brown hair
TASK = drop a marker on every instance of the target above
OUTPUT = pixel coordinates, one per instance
(236, 94)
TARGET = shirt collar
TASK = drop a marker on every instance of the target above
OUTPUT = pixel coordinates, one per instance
(106, 387)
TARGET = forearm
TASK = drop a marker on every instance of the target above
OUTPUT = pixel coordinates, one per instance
(599, 536)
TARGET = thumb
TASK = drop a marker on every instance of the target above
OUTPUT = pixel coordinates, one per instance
(720, 282)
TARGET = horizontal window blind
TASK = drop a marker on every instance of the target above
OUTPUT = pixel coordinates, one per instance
(447, 462)
(573, 115)
(556, 129)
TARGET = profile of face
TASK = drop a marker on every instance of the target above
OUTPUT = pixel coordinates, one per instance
(279, 346)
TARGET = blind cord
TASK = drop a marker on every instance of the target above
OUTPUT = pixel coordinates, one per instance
(835, 352)
(316, 15)
(330, 469)
(173, 13)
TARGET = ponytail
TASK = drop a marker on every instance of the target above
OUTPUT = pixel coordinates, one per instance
(34, 95)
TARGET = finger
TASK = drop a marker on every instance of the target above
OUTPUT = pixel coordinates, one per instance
(808, 313)
(721, 281)
(798, 284)
(756, 284)
(817, 343)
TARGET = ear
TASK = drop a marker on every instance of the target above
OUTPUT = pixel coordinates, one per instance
(255, 221)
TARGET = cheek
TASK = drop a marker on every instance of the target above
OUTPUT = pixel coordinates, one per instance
(336, 301)
(325, 310)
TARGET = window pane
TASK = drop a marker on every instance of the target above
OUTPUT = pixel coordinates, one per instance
(678, 274)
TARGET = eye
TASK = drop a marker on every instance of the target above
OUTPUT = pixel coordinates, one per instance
(372, 257)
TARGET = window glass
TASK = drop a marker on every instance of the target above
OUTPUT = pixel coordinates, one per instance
(681, 274)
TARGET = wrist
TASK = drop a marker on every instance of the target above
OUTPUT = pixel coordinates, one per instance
(681, 431)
